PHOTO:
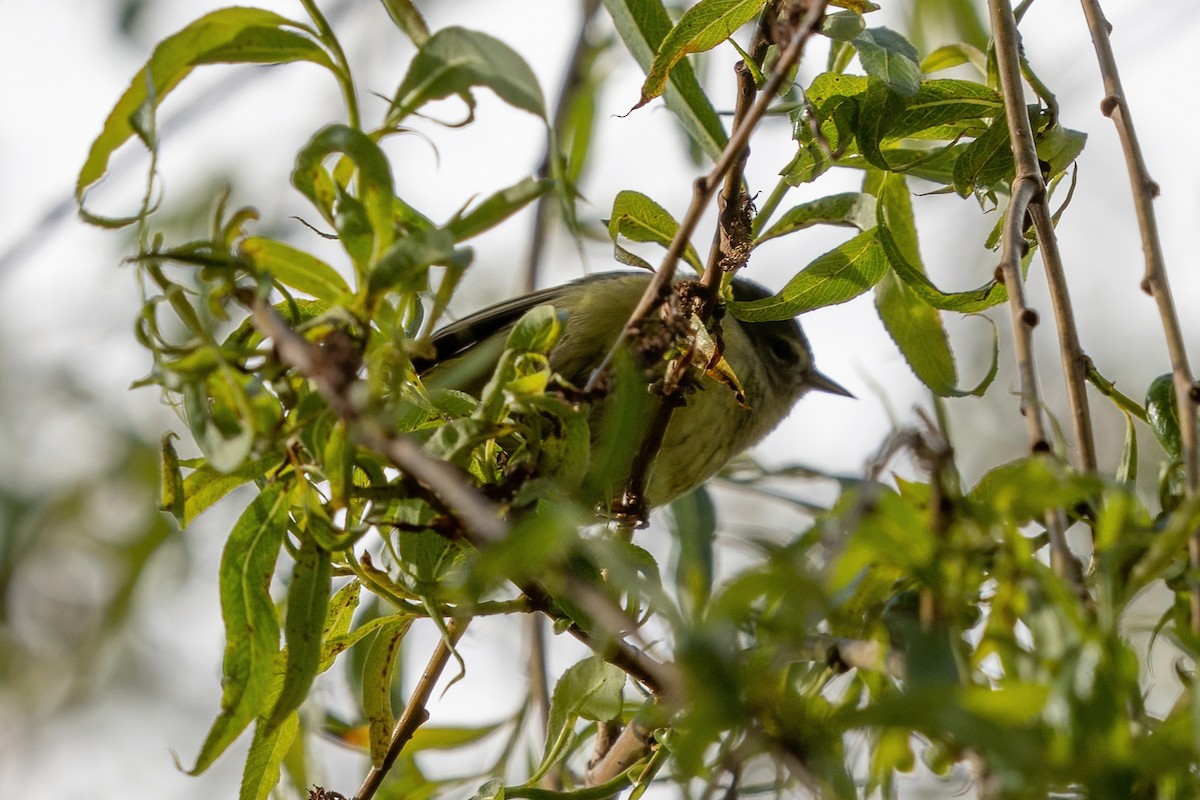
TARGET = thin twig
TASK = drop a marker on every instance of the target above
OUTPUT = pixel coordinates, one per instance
(705, 187)
(573, 78)
(539, 688)
(416, 712)
(1155, 282)
(1027, 188)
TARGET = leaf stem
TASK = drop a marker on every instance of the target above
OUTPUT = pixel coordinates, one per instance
(344, 76)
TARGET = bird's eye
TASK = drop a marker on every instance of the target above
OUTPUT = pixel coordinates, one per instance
(781, 348)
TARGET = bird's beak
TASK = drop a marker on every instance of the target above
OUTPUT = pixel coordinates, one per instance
(819, 382)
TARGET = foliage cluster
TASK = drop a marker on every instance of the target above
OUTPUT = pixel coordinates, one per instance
(913, 619)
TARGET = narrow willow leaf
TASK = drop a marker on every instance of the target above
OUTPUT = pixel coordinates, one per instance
(693, 521)
(454, 61)
(942, 102)
(431, 737)
(378, 668)
(307, 606)
(642, 25)
(917, 330)
(408, 19)
(405, 267)
(172, 491)
(206, 485)
(251, 624)
(889, 58)
(842, 274)
(295, 268)
(968, 302)
(879, 109)
(1059, 147)
(591, 689)
(953, 55)
(219, 415)
(856, 209)
(639, 219)
(985, 161)
(375, 187)
(235, 35)
(497, 208)
(1162, 411)
(702, 27)
(338, 463)
(268, 748)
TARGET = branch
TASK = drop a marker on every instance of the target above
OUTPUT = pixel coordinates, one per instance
(415, 713)
(1155, 281)
(1027, 189)
(705, 187)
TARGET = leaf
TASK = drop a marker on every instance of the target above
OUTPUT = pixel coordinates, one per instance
(454, 61)
(986, 161)
(220, 417)
(591, 689)
(378, 667)
(234, 35)
(842, 26)
(968, 302)
(942, 102)
(408, 19)
(497, 208)
(1162, 412)
(692, 519)
(702, 27)
(405, 266)
(172, 491)
(842, 274)
(642, 25)
(307, 606)
(206, 485)
(1059, 147)
(639, 219)
(375, 188)
(953, 55)
(268, 748)
(879, 110)
(888, 57)
(856, 209)
(251, 624)
(295, 268)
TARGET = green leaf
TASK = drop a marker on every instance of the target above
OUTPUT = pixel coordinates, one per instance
(378, 668)
(295, 268)
(405, 267)
(535, 332)
(986, 161)
(953, 55)
(307, 606)
(879, 110)
(268, 748)
(856, 209)
(206, 485)
(454, 61)
(692, 519)
(888, 57)
(943, 102)
(591, 689)
(968, 302)
(639, 219)
(408, 19)
(842, 26)
(172, 491)
(375, 187)
(497, 208)
(241, 35)
(1162, 412)
(251, 624)
(1059, 147)
(842, 274)
(702, 27)
(1023, 490)
(219, 415)
(642, 25)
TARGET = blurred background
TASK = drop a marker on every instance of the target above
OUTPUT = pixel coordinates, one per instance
(110, 633)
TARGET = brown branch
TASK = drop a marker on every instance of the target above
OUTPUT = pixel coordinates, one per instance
(1027, 189)
(706, 186)
(631, 746)
(416, 712)
(1155, 281)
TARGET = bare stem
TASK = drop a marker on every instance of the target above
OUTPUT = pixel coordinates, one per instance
(416, 712)
(1155, 281)
(1027, 189)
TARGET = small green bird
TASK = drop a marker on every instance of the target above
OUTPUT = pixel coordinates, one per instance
(772, 363)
